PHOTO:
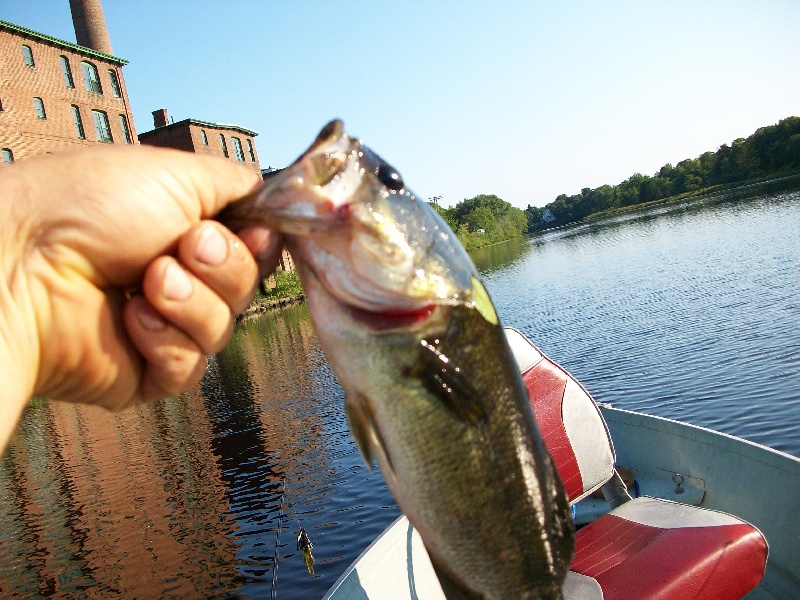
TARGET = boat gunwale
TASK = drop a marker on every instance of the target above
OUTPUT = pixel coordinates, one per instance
(755, 452)
(352, 567)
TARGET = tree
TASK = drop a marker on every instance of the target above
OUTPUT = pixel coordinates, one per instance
(481, 217)
(446, 214)
(769, 150)
(498, 219)
(535, 218)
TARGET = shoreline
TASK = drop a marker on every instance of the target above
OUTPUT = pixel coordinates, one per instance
(262, 305)
(709, 191)
(728, 188)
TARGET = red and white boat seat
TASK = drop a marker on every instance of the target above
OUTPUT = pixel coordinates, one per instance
(646, 548)
(570, 422)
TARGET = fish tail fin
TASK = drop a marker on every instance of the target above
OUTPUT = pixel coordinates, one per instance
(309, 560)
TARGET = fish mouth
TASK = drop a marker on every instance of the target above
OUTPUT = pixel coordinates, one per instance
(381, 320)
(391, 319)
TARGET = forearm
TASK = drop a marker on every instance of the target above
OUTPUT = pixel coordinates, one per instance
(16, 376)
(18, 343)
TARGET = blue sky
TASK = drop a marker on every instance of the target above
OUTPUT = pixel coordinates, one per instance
(519, 98)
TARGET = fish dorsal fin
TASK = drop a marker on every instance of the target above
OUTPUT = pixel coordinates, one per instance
(365, 431)
(445, 380)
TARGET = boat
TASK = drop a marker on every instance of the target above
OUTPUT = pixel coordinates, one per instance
(682, 487)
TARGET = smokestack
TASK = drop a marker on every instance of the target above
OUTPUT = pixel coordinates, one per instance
(90, 25)
(160, 117)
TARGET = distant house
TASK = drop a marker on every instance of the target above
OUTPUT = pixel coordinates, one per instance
(56, 95)
(203, 137)
(548, 216)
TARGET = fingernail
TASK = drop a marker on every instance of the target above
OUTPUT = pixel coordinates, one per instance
(212, 247)
(150, 319)
(177, 285)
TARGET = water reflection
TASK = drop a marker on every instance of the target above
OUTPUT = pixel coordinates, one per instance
(199, 496)
(102, 502)
(500, 256)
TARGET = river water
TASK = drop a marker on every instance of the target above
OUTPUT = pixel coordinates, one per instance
(688, 311)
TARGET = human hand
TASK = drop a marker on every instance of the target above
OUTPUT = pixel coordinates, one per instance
(79, 229)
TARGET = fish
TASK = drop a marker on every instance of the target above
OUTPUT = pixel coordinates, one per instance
(306, 545)
(432, 391)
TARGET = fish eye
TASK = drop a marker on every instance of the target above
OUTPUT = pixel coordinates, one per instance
(389, 177)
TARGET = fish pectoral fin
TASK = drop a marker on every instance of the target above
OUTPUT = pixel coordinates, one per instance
(365, 431)
(360, 428)
(452, 589)
(447, 382)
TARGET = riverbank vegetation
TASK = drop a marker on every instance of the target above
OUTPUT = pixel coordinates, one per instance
(771, 152)
(484, 220)
(280, 289)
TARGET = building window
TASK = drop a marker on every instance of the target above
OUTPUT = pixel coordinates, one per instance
(112, 75)
(76, 117)
(237, 149)
(204, 137)
(27, 54)
(251, 150)
(224, 145)
(91, 78)
(126, 133)
(101, 126)
(65, 68)
(38, 105)
(8, 156)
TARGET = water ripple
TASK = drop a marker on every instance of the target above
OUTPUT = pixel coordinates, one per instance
(692, 315)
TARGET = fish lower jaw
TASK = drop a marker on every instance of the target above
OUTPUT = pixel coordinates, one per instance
(391, 319)
(370, 315)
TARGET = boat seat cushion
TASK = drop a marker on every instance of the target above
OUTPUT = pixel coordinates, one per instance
(658, 549)
(569, 420)
(644, 548)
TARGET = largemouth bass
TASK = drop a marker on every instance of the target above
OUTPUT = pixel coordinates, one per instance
(432, 390)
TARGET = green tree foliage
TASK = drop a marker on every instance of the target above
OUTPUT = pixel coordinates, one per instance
(284, 284)
(484, 220)
(769, 151)
(447, 214)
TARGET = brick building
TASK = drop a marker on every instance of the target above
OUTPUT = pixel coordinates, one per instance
(202, 137)
(56, 95)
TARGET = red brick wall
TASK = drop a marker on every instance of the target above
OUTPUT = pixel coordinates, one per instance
(186, 135)
(21, 130)
(172, 136)
(215, 144)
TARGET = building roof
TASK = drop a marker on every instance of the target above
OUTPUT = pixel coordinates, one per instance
(202, 124)
(60, 43)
